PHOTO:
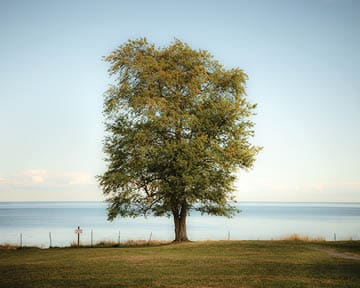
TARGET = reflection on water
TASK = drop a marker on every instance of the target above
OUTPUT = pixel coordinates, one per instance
(257, 220)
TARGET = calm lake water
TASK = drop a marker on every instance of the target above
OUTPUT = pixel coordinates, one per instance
(257, 220)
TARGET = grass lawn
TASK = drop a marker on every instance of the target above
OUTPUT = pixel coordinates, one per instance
(198, 264)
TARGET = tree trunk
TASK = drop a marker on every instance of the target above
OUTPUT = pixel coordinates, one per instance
(180, 225)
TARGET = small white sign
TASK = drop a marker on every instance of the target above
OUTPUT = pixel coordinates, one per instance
(78, 231)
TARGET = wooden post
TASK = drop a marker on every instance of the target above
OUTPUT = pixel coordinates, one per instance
(150, 237)
(50, 239)
(78, 237)
(78, 231)
(91, 238)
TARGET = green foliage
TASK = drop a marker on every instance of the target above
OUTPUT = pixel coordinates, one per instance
(177, 128)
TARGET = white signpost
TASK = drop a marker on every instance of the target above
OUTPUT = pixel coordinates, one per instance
(78, 231)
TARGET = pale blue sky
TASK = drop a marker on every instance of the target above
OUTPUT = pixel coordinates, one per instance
(302, 58)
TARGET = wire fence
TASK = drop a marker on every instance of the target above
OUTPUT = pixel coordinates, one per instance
(96, 238)
(83, 237)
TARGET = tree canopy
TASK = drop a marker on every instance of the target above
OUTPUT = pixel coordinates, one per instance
(177, 128)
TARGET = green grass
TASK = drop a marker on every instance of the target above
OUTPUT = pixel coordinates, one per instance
(198, 264)
(344, 246)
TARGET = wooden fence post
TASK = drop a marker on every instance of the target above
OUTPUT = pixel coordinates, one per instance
(91, 238)
(150, 237)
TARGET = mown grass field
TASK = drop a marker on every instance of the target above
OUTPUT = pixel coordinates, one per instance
(198, 264)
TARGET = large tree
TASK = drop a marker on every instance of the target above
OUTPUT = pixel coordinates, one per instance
(177, 128)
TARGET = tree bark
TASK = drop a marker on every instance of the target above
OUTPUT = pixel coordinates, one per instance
(180, 225)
